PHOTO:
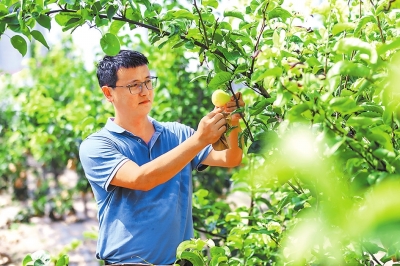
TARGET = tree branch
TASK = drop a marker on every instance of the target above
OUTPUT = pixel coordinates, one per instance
(202, 24)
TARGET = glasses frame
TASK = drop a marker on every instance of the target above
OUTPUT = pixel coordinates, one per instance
(153, 80)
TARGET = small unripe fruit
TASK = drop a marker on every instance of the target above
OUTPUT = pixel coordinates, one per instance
(219, 98)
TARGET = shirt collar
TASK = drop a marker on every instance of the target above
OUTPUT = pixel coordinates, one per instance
(112, 126)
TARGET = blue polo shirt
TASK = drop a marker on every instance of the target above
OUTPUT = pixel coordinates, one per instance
(139, 226)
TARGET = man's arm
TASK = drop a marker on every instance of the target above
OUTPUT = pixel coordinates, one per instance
(166, 166)
(231, 157)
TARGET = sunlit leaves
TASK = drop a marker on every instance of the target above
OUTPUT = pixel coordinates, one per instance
(349, 68)
(344, 105)
(340, 27)
(348, 45)
(233, 13)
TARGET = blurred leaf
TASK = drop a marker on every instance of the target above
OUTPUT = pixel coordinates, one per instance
(350, 44)
(233, 13)
(344, 105)
(279, 12)
(340, 27)
(348, 68)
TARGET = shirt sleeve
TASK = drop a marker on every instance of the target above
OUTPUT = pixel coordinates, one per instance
(100, 160)
(201, 156)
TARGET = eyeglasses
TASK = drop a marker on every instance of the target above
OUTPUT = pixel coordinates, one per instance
(137, 87)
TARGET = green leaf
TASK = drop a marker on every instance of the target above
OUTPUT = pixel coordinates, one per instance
(219, 79)
(211, 3)
(26, 260)
(229, 55)
(44, 21)
(194, 258)
(39, 262)
(115, 26)
(20, 44)
(361, 121)
(382, 153)
(395, 44)
(196, 245)
(111, 12)
(39, 37)
(3, 10)
(241, 68)
(62, 18)
(349, 68)
(263, 142)
(362, 22)
(233, 13)
(279, 12)
(348, 45)
(198, 77)
(295, 113)
(90, 120)
(61, 261)
(259, 106)
(275, 72)
(344, 105)
(340, 27)
(183, 13)
(110, 44)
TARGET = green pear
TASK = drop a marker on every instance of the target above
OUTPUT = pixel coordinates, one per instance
(219, 98)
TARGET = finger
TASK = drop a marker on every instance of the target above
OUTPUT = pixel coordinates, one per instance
(233, 104)
(221, 127)
(238, 96)
(236, 116)
(219, 117)
(217, 110)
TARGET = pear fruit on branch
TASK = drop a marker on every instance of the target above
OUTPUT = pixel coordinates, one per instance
(219, 98)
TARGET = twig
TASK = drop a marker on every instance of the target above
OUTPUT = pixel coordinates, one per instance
(210, 233)
(379, 22)
(294, 188)
(241, 115)
(202, 24)
(263, 25)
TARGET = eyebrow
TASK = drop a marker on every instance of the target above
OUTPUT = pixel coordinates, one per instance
(139, 80)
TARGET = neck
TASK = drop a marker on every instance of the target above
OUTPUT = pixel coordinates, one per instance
(136, 125)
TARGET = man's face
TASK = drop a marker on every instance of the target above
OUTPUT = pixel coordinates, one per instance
(127, 100)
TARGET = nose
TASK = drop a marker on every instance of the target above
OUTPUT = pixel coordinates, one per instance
(143, 89)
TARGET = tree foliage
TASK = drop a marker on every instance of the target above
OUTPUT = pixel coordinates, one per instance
(321, 124)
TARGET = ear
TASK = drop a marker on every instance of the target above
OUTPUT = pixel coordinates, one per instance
(107, 91)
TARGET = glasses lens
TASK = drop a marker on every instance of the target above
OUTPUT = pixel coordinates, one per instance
(134, 89)
(137, 88)
(151, 83)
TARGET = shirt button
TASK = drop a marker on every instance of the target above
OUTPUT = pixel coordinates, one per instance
(139, 140)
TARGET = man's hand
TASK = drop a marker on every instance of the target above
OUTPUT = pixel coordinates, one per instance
(231, 106)
(212, 126)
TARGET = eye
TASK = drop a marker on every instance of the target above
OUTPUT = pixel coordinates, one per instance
(147, 82)
(134, 85)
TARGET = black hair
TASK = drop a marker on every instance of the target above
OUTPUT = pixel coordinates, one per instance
(107, 68)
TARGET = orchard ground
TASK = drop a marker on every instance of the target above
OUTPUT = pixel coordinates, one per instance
(20, 239)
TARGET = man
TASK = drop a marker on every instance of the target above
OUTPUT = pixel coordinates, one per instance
(140, 169)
